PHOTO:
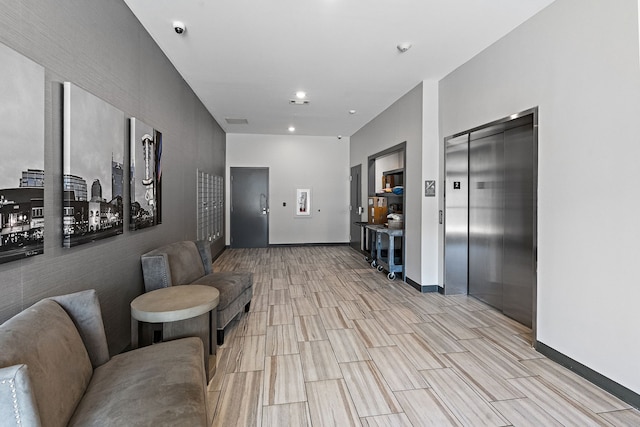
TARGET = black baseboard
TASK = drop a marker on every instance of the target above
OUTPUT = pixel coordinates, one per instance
(618, 390)
(281, 245)
(220, 252)
(421, 288)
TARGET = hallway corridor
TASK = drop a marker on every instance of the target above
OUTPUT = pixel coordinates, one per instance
(331, 342)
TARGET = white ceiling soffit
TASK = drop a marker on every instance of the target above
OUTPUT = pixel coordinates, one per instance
(248, 58)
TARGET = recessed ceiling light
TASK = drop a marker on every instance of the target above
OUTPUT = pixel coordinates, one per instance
(403, 47)
(301, 94)
(352, 111)
(291, 129)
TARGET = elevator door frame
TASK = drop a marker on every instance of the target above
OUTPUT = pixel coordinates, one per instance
(506, 122)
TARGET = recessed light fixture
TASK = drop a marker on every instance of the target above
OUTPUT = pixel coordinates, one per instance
(403, 47)
(292, 129)
(301, 94)
(352, 112)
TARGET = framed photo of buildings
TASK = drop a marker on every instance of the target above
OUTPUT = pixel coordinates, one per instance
(22, 165)
(145, 148)
(93, 173)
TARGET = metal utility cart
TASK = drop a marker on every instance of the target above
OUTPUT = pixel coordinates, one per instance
(385, 263)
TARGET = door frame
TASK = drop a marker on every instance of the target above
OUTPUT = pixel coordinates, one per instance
(371, 191)
(355, 242)
(231, 168)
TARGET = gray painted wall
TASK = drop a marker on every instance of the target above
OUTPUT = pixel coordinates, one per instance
(578, 61)
(100, 46)
(320, 163)
(401, 122)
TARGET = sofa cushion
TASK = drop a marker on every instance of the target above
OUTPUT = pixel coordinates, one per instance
(84, 310)
(185, 264)
(230, 284)
(44, 338)
(17, 406)
(159, 385)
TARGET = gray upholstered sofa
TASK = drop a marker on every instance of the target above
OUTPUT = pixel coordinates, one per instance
(55, 370)
(189, 263)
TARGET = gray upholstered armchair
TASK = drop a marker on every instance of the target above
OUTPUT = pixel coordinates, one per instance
(55, 370)
(189, 263)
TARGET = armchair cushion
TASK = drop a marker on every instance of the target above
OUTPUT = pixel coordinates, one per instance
(230, 284)
(159, 385)
(171, 265)
(16, 397)
(84, 309)
(59, 361)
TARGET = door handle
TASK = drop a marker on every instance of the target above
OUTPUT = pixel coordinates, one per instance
(263, 204)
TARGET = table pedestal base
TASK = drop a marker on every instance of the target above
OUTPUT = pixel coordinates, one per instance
(203, 326)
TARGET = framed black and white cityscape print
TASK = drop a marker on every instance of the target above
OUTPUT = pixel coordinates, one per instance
(93, 174)
(145, 149)
(22, 159)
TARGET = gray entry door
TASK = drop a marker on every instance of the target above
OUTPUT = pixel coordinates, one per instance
(355, 208)
(249, 207)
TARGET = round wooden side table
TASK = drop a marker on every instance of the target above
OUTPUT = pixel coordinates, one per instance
(183, 311)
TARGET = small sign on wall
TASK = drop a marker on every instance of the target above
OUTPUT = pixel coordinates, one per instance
(429, 188)
(303, 202)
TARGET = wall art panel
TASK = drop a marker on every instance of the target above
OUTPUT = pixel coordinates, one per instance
(21, 156)
(145, 148)
(93, 174)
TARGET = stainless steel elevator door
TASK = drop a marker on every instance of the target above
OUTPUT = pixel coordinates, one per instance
(501, 220)
(518, 271)
(486, 218)
(457, 215)
(490, 224)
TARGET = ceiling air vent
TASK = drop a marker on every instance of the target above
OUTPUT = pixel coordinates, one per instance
(237, 121)
(299, 101)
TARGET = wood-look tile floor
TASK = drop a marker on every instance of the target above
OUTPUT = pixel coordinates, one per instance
(329, 341)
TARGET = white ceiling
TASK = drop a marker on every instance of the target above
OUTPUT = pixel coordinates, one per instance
(247, 58)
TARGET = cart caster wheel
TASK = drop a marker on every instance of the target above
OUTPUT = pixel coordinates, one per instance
(374, 264)
(380, 268)
(391, 276)
(367, 259)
